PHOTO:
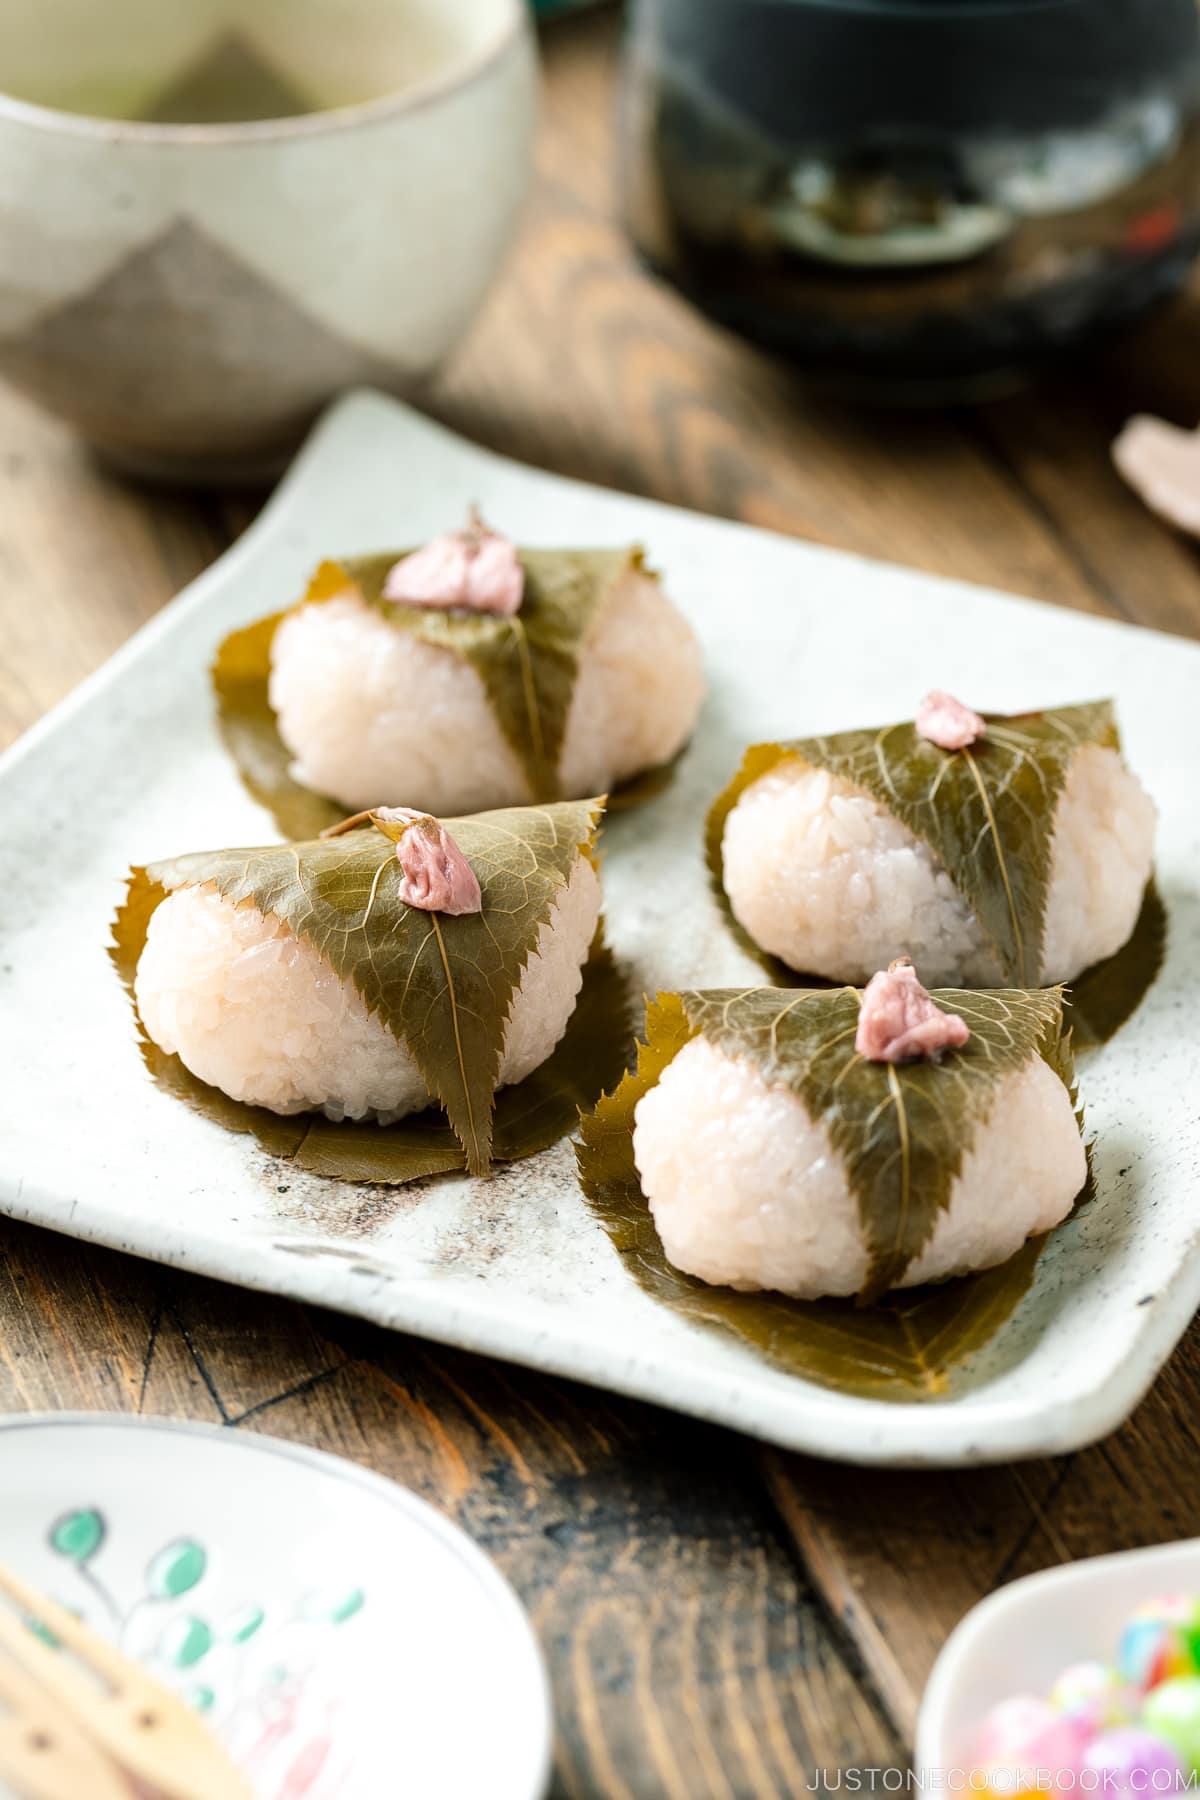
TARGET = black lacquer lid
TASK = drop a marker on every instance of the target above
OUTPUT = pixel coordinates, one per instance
(810, 71)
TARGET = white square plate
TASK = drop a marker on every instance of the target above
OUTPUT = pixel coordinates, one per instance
(798, 640)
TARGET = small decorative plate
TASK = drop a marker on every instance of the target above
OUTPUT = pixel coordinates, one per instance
(1020, 1638)
(344, 1641)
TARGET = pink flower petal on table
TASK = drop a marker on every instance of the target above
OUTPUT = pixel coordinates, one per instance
(1162, 463)
(899, 1022)
(476, 569)
(947, 723)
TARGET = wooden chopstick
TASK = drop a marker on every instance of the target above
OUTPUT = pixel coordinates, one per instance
(146, 1731)
(43, 1754)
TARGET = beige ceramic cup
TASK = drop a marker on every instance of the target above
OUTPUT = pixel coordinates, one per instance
(189, 295)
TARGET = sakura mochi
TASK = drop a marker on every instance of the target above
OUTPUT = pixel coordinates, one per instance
(820, 1142)
(470, 674)
(399, 961)
(994, 850)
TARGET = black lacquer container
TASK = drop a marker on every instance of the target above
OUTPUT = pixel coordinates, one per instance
(915, 198)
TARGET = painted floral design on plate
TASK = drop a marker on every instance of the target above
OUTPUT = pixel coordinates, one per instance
(259, 1674)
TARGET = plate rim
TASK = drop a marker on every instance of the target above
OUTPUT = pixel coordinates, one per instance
(856, 1429)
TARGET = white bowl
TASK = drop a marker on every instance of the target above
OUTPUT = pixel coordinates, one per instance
(1020, 1638)
(342, 1638)
(190, 295)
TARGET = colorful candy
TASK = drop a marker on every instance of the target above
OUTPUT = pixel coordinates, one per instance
(1131, 1763)
(1124, 1731)
(1095, 1693)
(1161, 1640)
(1027, 1733)
(1172, 1712)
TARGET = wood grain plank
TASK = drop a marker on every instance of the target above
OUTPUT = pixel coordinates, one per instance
(1056, 444)
(901, 1555)
(84, 559)
(82, 1328)
(250, 1353)
(687, 1655)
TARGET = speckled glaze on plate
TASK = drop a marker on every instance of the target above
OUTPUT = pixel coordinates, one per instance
(799, 640)
(332, 1629)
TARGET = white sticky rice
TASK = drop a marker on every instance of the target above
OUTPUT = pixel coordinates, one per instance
(823, 876)
(747, 1190)
(257, 1012)
(374, 716)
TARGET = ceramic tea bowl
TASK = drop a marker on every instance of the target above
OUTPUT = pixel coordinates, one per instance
(213, 218)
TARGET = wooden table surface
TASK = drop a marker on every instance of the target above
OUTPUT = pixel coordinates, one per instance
(719, 1620)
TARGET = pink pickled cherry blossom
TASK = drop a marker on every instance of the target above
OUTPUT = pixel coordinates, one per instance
(898, 1021)
(476, 569)
(947, 723)
(437, 876)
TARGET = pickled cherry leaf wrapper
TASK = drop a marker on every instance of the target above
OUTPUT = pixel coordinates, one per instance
(241, 676)
(1105, 996)
(907, 1346)
(528, 665)
(758, 760)
(441, 985)
(900, 1130)
(529, 1117)
(986, 813)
